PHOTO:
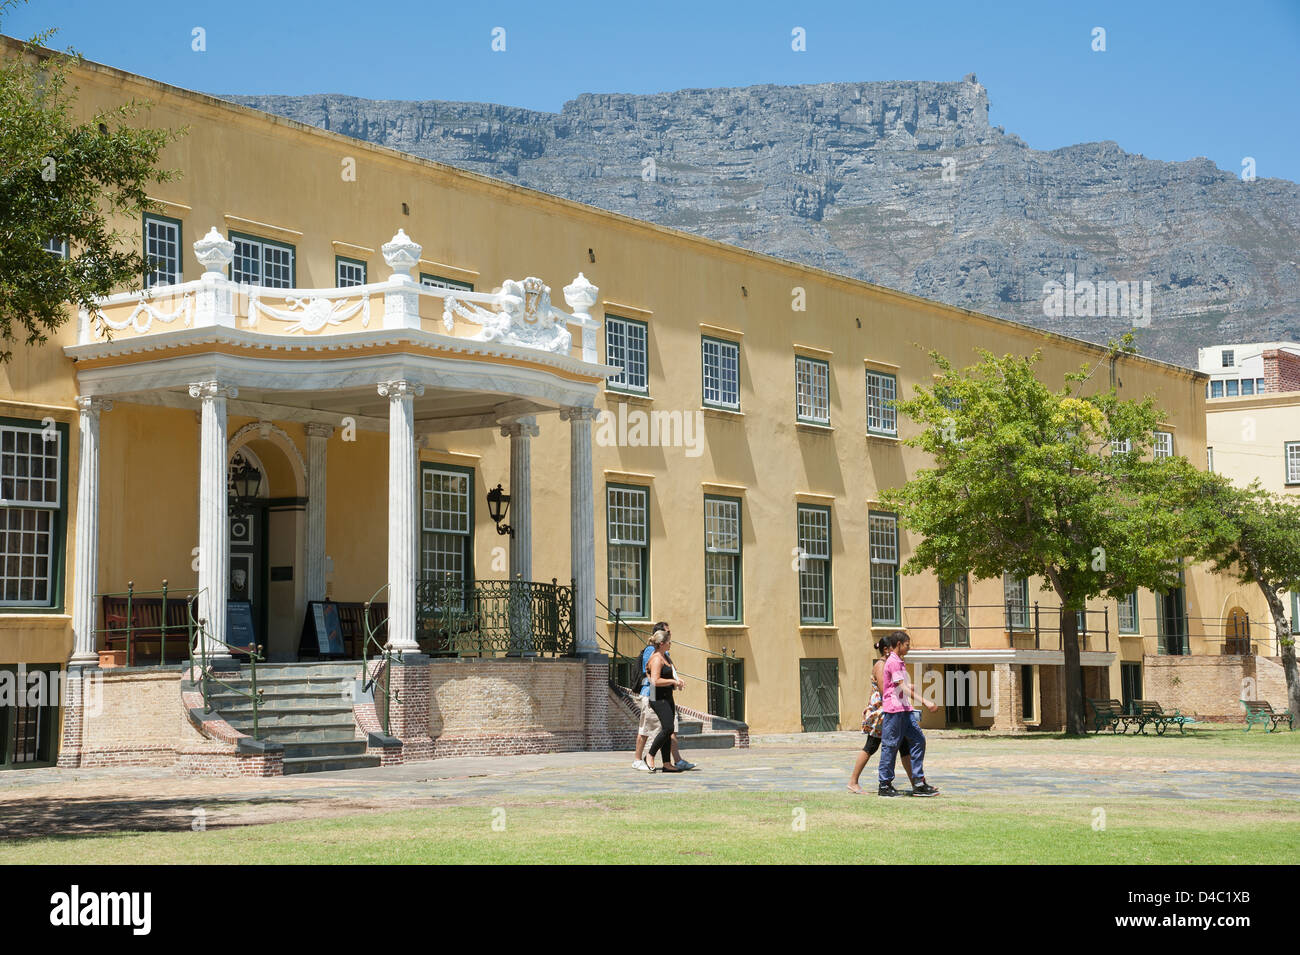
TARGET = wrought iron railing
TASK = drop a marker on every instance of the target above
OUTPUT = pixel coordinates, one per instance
(369, 683)
(1042, 624)
(136, 619)
(491, 617)
(202, 665)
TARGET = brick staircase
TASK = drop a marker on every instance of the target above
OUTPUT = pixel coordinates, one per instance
(306, 707)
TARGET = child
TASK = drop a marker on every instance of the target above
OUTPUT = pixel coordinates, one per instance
(897, 724)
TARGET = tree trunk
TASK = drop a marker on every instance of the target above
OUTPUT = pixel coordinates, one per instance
(1287, 645)
(1074, 715)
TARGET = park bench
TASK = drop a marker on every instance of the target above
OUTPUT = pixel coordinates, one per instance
(143, 633)
(1110, 713)
(1150, 712)
(1261, 711)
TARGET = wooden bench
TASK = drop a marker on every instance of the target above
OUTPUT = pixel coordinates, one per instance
(1261, 711)
(144, 625)
(1110, 713)
(1150, 712)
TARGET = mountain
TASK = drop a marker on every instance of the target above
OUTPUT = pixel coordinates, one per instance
(901, 183)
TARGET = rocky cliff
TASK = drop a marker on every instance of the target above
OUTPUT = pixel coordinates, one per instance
(904, 184)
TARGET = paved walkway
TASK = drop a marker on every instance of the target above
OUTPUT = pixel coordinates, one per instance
(45, 801)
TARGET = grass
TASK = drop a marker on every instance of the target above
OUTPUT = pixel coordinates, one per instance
(731, 827)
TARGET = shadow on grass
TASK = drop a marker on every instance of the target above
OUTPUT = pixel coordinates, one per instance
(59, 817)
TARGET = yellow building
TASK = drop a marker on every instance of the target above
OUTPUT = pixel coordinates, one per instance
(342, 355)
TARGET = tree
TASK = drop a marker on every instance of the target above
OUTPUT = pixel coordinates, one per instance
(1027, 482)
(63, 180)
(1265, 551)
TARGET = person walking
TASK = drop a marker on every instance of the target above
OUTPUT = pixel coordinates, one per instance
(663, 683)
(648, 728)
(897, 697)
(872, 719)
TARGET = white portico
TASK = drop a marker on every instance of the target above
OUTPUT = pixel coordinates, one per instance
(391, 356)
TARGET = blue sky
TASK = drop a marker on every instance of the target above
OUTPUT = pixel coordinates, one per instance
(1177, 79)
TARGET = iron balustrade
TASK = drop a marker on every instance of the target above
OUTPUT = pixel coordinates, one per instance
(491, 617)
(132, 617)
(202, 665)
(1216, 636)
(1041, 623)
(385, 653)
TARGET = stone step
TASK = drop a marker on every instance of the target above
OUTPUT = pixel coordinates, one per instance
(689, 727)
(302, 671)
(287, 684)
(329, 733)
(705, 741)
(327, 764)
(288, 714)
(279, 699)
(329, 747)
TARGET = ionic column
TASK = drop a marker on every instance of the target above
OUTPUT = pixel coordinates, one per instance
(403, 512)
(318, 436)
(86, 560)
(214, 506)
(520, 434)
(582, 527)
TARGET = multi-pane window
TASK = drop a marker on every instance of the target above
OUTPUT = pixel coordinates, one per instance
(1248, 386)
(812, 390)
(814, 530)
(1016, 597)
(31, 511)
(721, 361)
(1227, 357)
(58, 247)
(262, 262)
(437, 281)
(882, 543)
(446, 524)
(162, 250)
(722, 568)
(882, 389)
(1121, 445)
(1216, 389)
(349, 272)
(1232, 384)
(1164, 445)
(1292, 455)
(1209, 460)
(1128, 613)
(627, 513)
(625, 347)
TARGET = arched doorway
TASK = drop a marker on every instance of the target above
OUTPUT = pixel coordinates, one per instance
(268, 538)
(1236, 632)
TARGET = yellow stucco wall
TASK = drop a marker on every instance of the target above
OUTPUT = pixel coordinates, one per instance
(238, 163)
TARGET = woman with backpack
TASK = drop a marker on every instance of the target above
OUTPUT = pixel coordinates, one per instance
(873, 717)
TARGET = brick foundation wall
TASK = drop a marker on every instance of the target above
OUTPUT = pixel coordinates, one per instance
(1281, 370)
(1212, 687)
(130, 719)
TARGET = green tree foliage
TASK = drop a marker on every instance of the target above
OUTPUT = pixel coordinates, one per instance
(60, 179)
(1026, 481)
(1265, 550)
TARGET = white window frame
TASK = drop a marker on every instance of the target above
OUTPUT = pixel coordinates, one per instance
(1162, 448)
(163, 246)
(722, 559)
(627, 347)
(720, 369)
(349, 273)
(813, 533)
(812, 390)
(446, 531)
(266, 253)
(22, 513)
(437, 281)
(883, 556)
(882, 392)
(627, 544)
(1291, 460)
(58, 247)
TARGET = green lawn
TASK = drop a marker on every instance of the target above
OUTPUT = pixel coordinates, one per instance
(732, 828)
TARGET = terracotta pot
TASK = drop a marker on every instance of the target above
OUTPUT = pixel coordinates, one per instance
(112, 658)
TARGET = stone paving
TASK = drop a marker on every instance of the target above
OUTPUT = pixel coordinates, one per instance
(42, 801)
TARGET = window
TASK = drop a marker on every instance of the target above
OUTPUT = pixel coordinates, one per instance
(1248, 386)
(1227, 358)
(162, 250)
(1164, 445)
(29, 722)
(882, 543)
(726, 676)
(1209, 460)
(447, 523)
(1121, 445)
(1015, 592)
(1232, 387)
(721, 360)
(881, 415)
(1259, 386)
(722, 568)
(627, 511)
(812, 392)
(349, 272)
(57, 247)
(437, 281)
(626, 348)
(954, 612)
(33, 465)
(262, 262)
(1292, 455)
(1130, 682)
(1128, 614)
(814, 530)
(1216, 389)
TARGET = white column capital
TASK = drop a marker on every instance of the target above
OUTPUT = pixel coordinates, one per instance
(578, 414)
(208, 390)
(520, 428)
(92, 404)
(315, 429)
(400, 388)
